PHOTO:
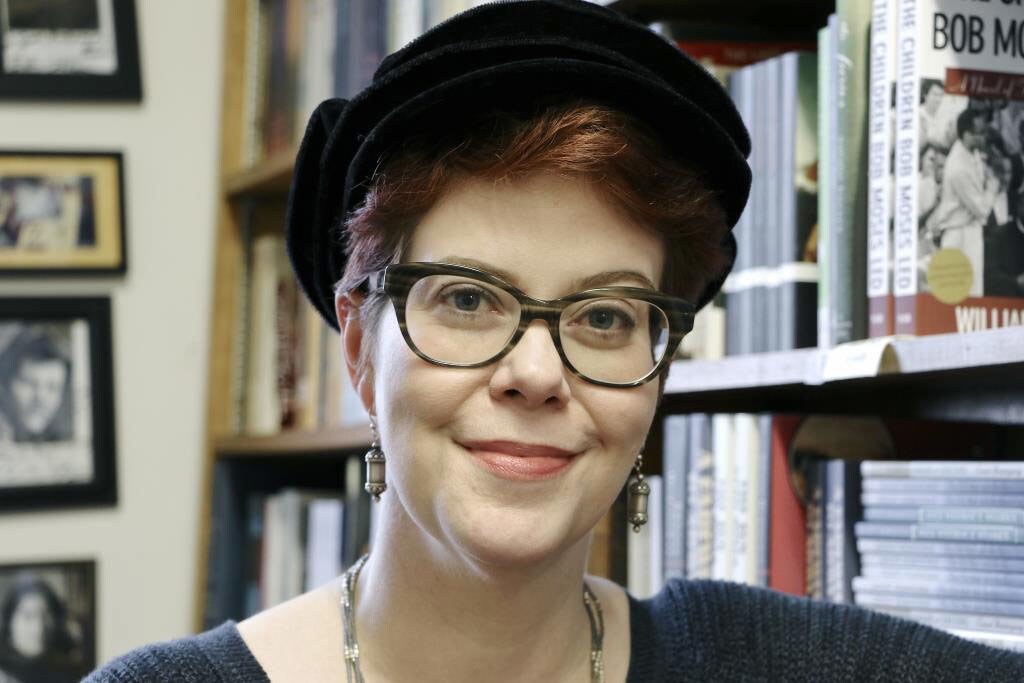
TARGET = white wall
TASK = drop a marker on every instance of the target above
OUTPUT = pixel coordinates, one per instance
(145, 547)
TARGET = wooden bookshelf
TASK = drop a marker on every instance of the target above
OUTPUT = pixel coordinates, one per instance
(266, 179)
(333, 440)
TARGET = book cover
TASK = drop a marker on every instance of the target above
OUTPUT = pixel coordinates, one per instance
(959, 207)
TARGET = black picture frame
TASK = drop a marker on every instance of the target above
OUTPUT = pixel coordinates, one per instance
(74, 463)
(101, 201)
(123, 84)
(66, 648)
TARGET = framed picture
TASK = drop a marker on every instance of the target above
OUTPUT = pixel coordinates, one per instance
(56, 403)
(48, 627)
(61, 213)
(69, 50)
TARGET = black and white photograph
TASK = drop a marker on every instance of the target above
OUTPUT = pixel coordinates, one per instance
(56, 441)
(971, 187)
(61, 213)
(89, 46)
(47, 621)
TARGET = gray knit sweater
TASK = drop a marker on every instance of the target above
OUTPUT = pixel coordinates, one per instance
(690, 631)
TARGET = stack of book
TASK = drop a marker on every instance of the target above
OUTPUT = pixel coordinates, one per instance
(943, 543)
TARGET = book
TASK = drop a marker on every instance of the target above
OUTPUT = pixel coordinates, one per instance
(787, 567)
(958, 238)
(700, 498)
(881, 165)
(724, 505)
(980, 591)
(943, 469)
(827, 124)
(676, 442)
(969, 533)
(942, 604)
(842, 485)
(848, 236)
(644, 548)
(884, 546)
(797, 272)
(814, 535)
(946, 515)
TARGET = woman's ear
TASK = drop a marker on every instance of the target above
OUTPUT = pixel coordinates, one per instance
(346, 308)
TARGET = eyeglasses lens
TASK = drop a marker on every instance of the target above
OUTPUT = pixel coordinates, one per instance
(463, 321)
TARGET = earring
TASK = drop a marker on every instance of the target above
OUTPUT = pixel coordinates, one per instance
(636, 496)
(375, 482)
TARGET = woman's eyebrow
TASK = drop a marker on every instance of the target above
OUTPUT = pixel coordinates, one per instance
(601, 279)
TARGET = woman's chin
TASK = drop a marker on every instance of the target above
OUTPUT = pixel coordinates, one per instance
(513, 539)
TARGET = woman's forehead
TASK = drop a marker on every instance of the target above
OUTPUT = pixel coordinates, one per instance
(546, 231)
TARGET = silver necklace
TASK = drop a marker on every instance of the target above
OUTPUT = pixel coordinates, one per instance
(355, 675)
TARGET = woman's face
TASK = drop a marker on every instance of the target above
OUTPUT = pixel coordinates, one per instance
(933, 98)
(30, 622)
(546, 234)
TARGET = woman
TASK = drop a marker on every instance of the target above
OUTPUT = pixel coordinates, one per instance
(446, 221)
(36, 643)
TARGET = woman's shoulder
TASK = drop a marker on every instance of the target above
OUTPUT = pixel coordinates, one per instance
(741, 632)
(218, 654)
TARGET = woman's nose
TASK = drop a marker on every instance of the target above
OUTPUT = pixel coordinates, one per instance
(532, 373)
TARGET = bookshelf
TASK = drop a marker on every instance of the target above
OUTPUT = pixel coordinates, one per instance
(969, 377)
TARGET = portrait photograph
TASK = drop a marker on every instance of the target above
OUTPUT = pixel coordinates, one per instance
(48, 627)
(56, 424)
(61, 214)
(69, 49)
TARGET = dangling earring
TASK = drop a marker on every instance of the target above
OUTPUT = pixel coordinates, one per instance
(636, 496)
(375, 483)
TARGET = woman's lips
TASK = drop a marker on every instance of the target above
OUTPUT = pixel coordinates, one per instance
(520, 461)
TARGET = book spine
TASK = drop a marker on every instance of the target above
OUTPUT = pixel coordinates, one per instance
(815, 535)
(770, 239)
(884, 546)
(984, 564)
(675, 448)
(946, 515)
(970, 533)
(938, 575)
(656, 522)
(723, 505)
(842, 514)
(880, 179)
(905, 237)
(742, 482)
(944, 485)
(787, 568)
(826, 134)
(848, 238)
(975, 591)
(943, 469)
(764, 496)
(700, 517)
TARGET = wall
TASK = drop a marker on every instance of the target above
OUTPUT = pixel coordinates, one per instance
(145, 547)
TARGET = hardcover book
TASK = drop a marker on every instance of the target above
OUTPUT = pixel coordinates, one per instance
(959, 165)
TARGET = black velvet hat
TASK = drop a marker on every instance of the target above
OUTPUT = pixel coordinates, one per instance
(506, 54)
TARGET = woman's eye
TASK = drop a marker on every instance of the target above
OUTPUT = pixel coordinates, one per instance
(467, 300)
(608, 319)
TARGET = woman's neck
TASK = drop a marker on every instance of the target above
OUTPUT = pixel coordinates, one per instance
(425, 612)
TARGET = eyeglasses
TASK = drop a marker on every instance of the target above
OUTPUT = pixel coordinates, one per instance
(462, 317)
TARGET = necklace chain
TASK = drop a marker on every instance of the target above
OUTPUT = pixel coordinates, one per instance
(355, 675)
